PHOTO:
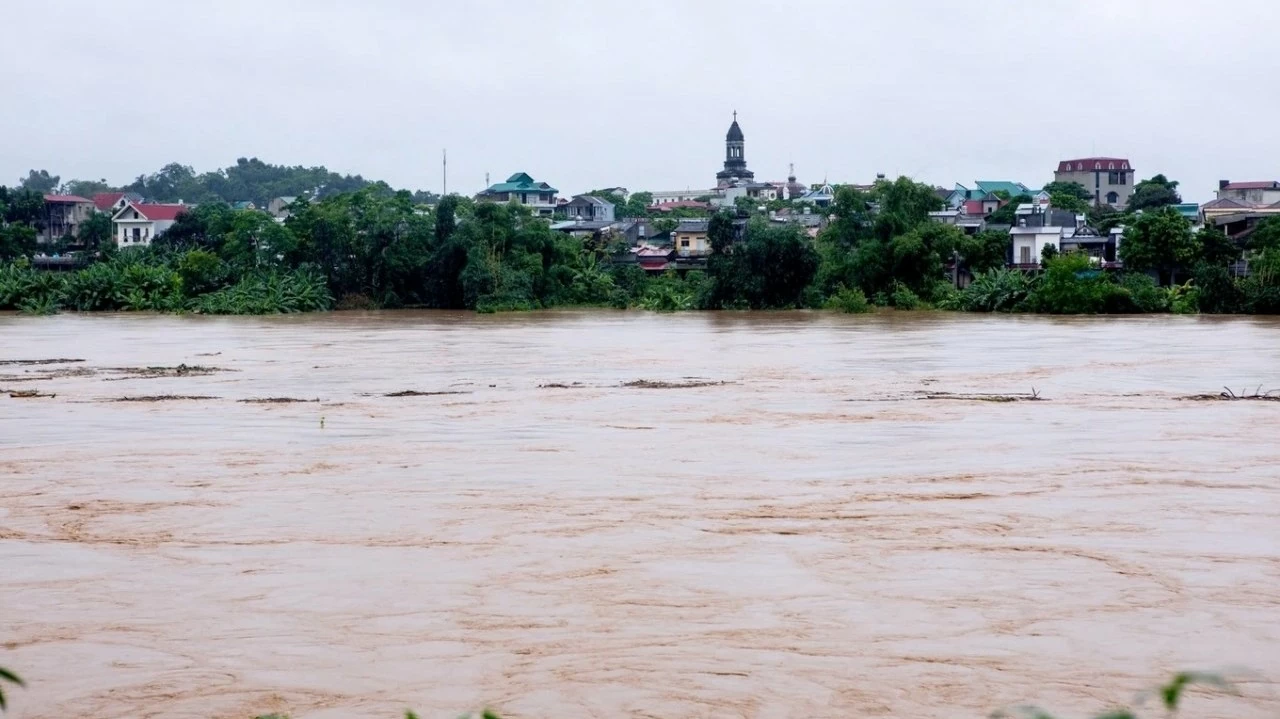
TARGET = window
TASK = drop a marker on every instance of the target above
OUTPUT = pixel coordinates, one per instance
(684, 243)
(1113, 199)
(137, 234)
(1025, 257)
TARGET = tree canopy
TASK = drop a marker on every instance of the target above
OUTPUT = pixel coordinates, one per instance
(1159, 240)
(1155, 192)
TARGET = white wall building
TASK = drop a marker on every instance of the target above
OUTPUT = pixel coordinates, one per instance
(136, 225)
(1029, 243)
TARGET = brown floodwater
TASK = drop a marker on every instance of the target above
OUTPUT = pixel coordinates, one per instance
(807, 522)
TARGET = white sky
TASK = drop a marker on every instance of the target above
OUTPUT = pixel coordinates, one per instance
(639, 93)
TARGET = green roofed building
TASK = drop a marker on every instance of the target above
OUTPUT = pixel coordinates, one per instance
(522, 189)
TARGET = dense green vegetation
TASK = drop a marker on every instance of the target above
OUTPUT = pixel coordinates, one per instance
(377, 248)
(249, 180)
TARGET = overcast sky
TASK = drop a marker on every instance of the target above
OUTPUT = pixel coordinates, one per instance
(639, 93)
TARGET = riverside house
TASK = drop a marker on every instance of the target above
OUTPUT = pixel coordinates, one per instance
(136, 224)
(522, 189)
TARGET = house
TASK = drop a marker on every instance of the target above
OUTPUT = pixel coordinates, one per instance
(522, 189)
(1250, 193)
(591, 208)
(1109, 179)
(822, 196)
(691, 237)
(983, 190)
(111, 202)
(244, 205)
(278, 207)
(1028, 242)
(682, 204)
(667, 197)
(62, 216)
(136, 225)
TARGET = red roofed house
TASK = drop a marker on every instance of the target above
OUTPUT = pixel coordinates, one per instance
(136, 224)
(1250, 193)
(1109, 179)
(112, 202)
(62, 216)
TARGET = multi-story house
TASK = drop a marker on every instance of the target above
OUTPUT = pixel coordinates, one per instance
(62, 216)
(1109, 179)
(522, 189)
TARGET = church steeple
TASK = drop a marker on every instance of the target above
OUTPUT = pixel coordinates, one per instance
(735, 159)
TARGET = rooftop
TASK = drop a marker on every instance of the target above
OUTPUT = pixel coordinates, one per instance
(68, 199)
(520, 182)
(1260, 185)
(1089, 164)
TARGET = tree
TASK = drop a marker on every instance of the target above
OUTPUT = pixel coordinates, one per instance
(1266, 236)
(1159, 240)
(41, 182)
(770, 268)
(904, 204)
(446, 221)
(1158, 191)
(984, 251)
(1072, 189)
(95, 231)
(1216, 249)
(1071, 196)
(87, 188)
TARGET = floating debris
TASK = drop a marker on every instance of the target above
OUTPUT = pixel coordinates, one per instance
(653, 384)
(27, 393)
(39, 361)
(182, 370)
(982, 397)
(561, 385)
(415, 393)
(164, 398)
(277, 400)
(1228, 395)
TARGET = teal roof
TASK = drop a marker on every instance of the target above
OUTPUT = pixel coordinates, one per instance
(520, 182)
(1013, 188)
(1189, 210)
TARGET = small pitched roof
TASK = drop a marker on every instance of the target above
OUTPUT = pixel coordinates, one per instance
(591, 199)
(66, 199)
(155, 213)
(1226, 203)
(106, 200)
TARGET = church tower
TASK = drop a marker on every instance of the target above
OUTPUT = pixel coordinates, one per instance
(735, 159)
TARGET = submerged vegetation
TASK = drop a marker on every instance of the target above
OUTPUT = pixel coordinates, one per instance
(375, 248)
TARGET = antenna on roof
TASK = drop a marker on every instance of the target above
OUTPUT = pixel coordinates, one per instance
(486, 179)
(444, 168)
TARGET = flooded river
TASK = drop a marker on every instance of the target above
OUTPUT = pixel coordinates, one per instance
(795, 515)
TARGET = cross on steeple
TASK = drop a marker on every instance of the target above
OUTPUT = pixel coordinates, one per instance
(735, 115)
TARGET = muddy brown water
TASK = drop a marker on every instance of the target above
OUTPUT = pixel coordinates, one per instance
(785, 530)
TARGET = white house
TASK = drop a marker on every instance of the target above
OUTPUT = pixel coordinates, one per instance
(666, 197)
(136, 225)
(1029, 242)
